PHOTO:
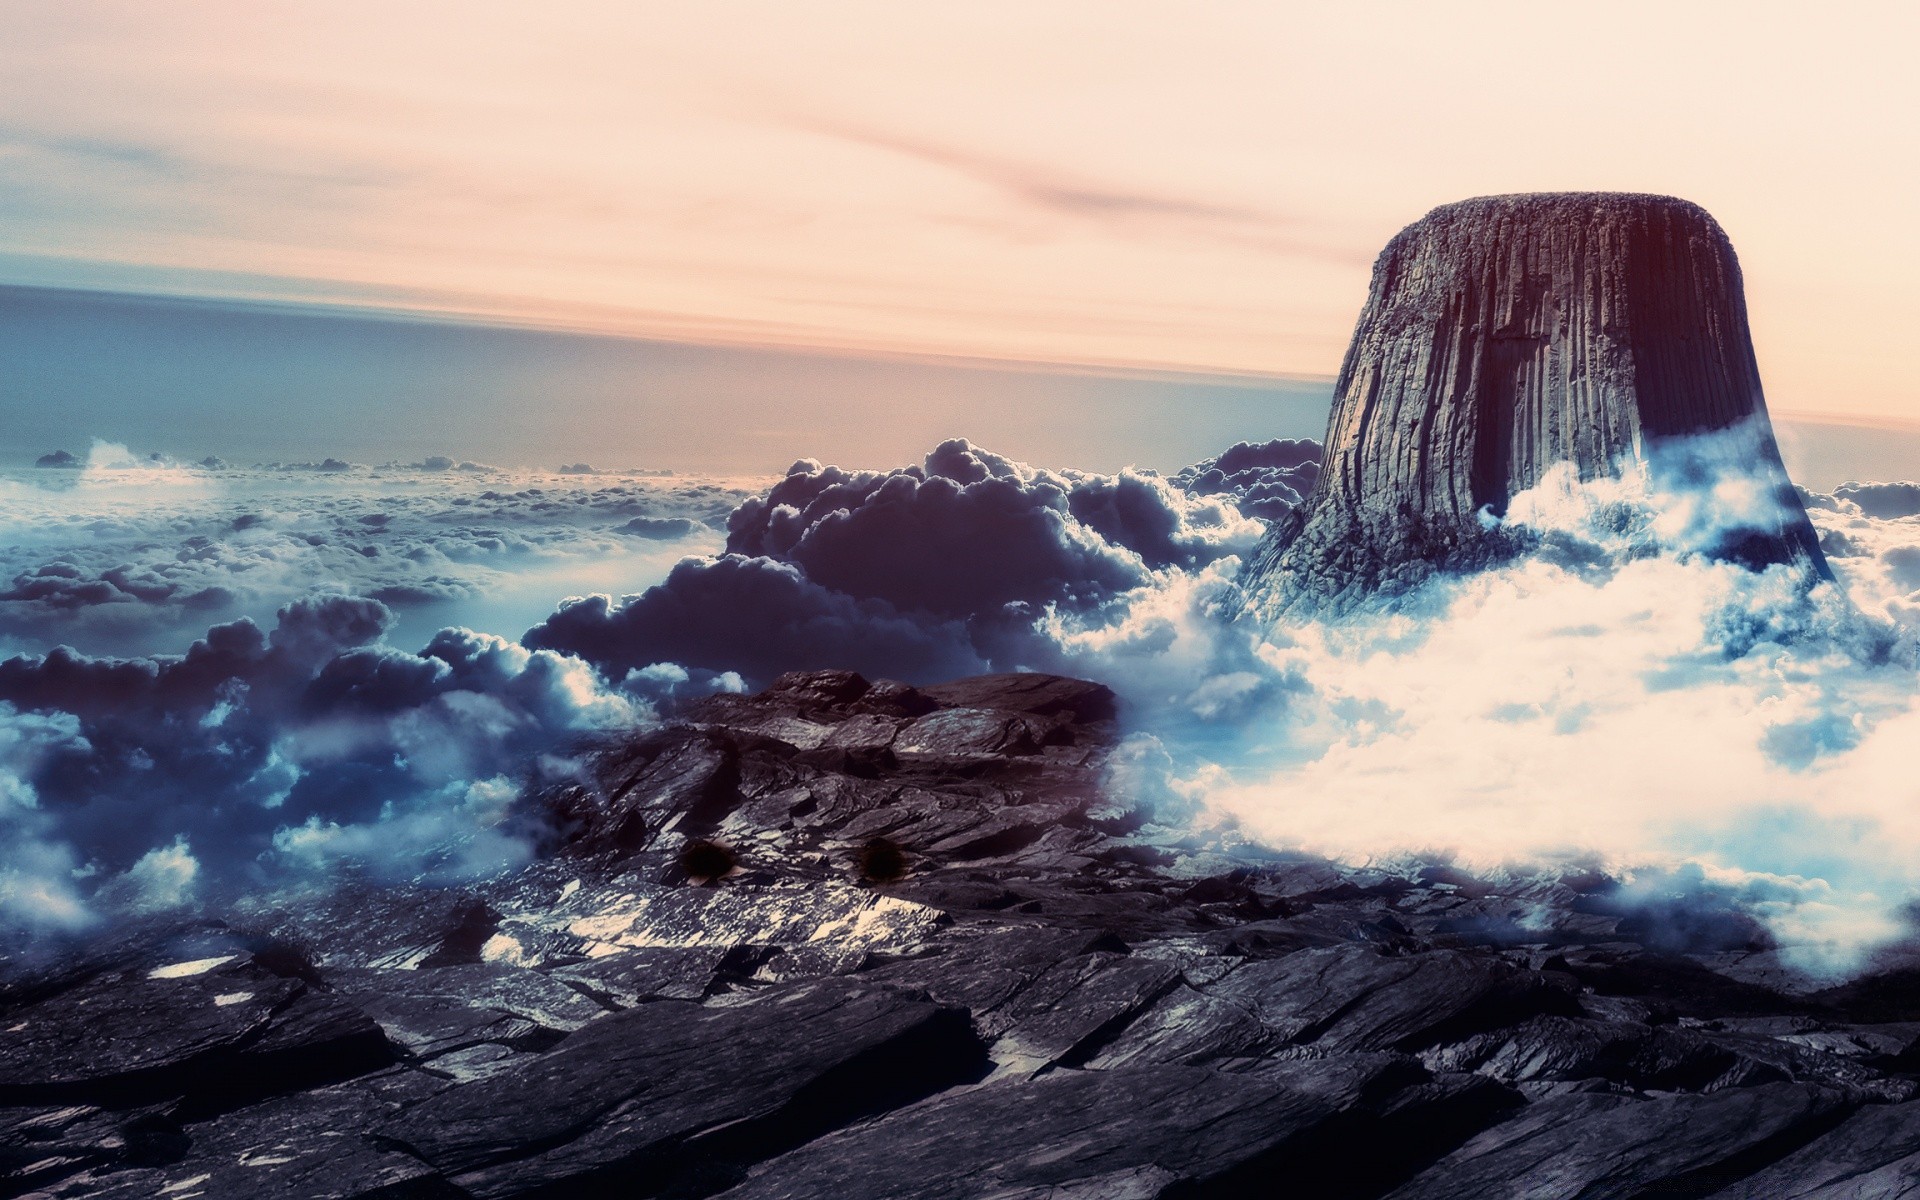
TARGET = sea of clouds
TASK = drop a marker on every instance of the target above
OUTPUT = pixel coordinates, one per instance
(286, 672)
(126, 554)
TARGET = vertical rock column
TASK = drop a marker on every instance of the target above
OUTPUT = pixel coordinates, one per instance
(1503, 335)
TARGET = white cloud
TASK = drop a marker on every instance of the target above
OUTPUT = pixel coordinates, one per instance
(1658, 710)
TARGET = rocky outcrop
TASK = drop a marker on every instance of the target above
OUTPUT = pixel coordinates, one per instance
(1502, 336)
(1874, 1153)
(716, 983)
(1614, 1145)
(677, 1096)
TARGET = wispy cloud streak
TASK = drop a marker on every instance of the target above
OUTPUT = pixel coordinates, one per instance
(1127, 211)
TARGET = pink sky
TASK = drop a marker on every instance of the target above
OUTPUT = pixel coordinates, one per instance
(1166, 185)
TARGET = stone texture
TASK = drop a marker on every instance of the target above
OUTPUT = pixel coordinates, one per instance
(1873, 1155)
(433, 1012)
(1503, 335)
(1608, 1145)
(674, 1091)
(1135, 1132)
(310, 1146)
(214, 1029)
(635, 976)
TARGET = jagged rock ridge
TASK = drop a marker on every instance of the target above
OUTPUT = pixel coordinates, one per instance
(1503, 335)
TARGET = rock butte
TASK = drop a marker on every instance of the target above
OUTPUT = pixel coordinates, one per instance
(1506, 334)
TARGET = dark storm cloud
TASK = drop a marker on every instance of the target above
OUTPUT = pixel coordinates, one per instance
(64, 587)
(970, 531)
(758, 617)
(309, 741)
(120, 603)
(924, 572)
(1885, 501)
(658, 528)
(1265, 479)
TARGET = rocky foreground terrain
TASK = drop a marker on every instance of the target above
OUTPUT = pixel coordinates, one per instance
(857, 940)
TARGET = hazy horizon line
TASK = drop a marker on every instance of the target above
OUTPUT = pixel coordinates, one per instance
(487, 320)
(481, 318)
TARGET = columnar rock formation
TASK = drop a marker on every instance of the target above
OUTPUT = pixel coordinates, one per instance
(1504, 335)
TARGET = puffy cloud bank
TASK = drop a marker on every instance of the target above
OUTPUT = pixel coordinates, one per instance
(942, 569)
(1265, 479)
(259, 755)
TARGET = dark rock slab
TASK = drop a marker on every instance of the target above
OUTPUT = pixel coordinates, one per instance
(816, 693)
(1355, 998)
(315, 1038)
(1201, 1018)
(1189, 1026)
(432, 1011)
(1135, 1132)
(366, 926)
(1599, 1145)
(115, 1030)
(1674, 984)
(310, 1146)
(41, 1145)
(635, 976)
(219, 1028)
(1550, 1049)
(1761, 1059)
(959, 737)
(670, 1091)
(1071, 1010)
(1872, 1155)
(681, 780)
(803, 774)
(1043, 695)
(986, 969)
(1007, 833)
(1890, 1044)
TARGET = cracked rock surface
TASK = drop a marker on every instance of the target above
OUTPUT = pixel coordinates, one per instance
(849, 939)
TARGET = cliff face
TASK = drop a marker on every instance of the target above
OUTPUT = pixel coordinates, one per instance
(1503, 335)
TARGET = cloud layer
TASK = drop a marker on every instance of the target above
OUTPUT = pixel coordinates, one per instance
(1726, 737)
(130, 554)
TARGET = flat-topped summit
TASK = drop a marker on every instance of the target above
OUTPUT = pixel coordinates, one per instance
(1503, 335)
